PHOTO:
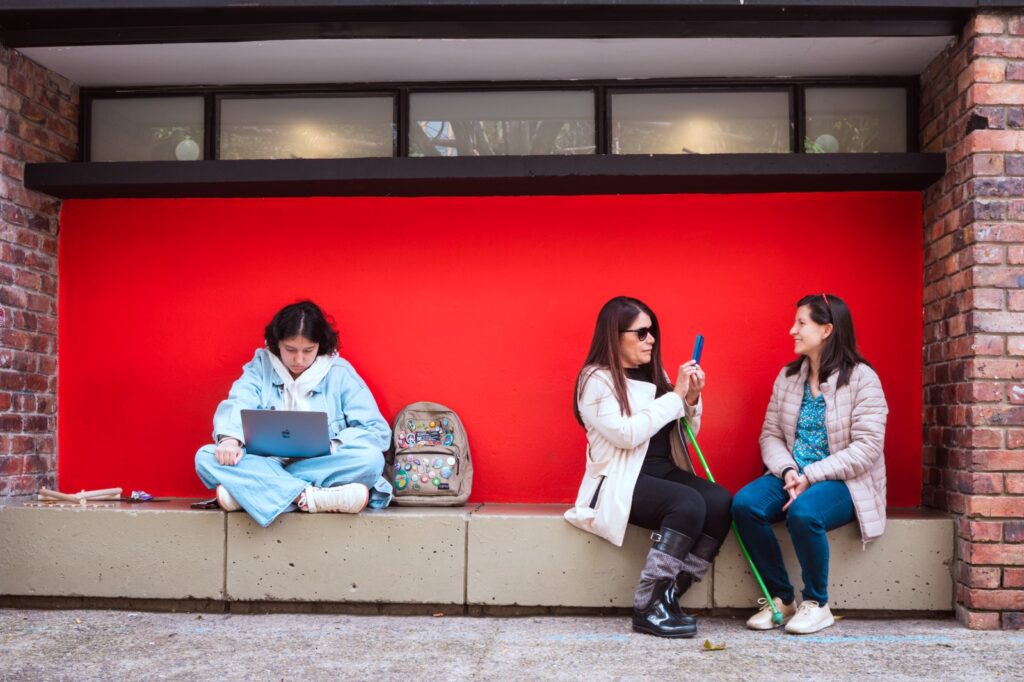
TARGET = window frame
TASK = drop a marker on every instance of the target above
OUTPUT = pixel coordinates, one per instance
(602, 89)
(85, 116)
(570, 86)
(790, 90)
(220, 96)
(912, 112)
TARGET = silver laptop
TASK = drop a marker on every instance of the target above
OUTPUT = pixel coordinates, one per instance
(280, 433)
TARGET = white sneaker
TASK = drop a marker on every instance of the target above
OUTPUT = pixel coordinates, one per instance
(347, 499)
(762, 620)
(810, 618)
(226, 502)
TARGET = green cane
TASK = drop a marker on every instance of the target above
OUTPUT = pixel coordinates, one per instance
(776, 614)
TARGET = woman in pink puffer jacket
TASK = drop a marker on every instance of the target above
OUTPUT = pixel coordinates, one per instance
(821, 443)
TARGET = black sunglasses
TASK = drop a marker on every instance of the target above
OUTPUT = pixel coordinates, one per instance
(641, 333)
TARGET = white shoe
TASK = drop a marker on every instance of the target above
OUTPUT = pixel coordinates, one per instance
(347, 499)
(226, 502)
(762, 620)
(810, 618)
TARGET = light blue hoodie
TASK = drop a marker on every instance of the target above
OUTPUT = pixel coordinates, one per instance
(266, 486)
(352, 414)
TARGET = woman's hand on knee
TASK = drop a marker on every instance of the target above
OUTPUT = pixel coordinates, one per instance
(228, 452)
(789, 478)
(795, 485)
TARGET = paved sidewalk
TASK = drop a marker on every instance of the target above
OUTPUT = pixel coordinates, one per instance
(103, 645)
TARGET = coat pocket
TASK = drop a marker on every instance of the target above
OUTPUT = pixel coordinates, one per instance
(597, 493)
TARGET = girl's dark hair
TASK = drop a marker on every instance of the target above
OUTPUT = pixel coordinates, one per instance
(301, 319)
(840, 352)
(615, 317)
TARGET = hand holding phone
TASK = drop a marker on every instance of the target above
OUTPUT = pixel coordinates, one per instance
(691, 376)
(698, 348)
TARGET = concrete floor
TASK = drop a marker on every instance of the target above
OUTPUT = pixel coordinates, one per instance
(102, 645)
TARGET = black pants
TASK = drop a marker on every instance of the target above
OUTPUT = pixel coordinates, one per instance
(668, 497)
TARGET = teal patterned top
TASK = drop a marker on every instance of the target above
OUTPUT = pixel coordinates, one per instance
(811, 437)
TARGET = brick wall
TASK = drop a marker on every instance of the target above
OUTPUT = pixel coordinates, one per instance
(972, 108)
(38, 122)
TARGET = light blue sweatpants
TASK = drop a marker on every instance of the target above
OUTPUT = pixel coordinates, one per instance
(267, 486)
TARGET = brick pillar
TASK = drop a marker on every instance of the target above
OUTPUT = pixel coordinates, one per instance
(972, 108)
(38, 122)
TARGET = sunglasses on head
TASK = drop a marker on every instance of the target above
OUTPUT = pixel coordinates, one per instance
(641, 333)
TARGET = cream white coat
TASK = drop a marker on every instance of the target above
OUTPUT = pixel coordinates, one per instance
(616, 446)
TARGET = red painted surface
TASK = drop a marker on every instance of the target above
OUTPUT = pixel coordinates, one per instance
(485, 304)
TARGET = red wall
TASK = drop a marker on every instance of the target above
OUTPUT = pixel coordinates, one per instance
(485, 304)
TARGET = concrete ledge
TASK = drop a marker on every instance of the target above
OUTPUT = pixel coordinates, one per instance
(529, 555)
(908, 569)
(154, 551)
(403, 555)
(484, 559)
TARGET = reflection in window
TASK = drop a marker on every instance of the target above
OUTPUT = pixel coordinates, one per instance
(146, 129)
(855, 120)
(501, 123)
(700, 123)
(306, 127)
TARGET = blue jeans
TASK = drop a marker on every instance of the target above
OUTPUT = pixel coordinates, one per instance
(266, 486)
(819, 509)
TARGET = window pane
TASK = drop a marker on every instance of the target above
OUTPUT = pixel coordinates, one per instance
(700, 123)
(501, 123)
(307, 127)
(147, 129)
(856, 120)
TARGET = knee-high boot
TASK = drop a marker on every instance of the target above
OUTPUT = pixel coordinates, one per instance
(696, 564)
(653, 611)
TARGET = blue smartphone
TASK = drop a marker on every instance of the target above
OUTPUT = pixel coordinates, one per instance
(698, 348)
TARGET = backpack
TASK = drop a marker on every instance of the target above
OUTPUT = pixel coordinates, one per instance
(429, 463)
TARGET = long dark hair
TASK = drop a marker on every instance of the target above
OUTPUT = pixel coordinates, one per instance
(301, 319)
(839, 353)
(615, 317)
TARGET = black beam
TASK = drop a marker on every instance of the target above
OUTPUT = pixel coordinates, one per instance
(86, 24)
(490, 176)
(309, 5)
(137, 35)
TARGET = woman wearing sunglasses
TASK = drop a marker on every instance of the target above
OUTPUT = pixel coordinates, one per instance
(637, 467)
(299, 369)
(821, 444)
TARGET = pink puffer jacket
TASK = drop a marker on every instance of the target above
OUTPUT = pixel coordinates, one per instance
(855, 421)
